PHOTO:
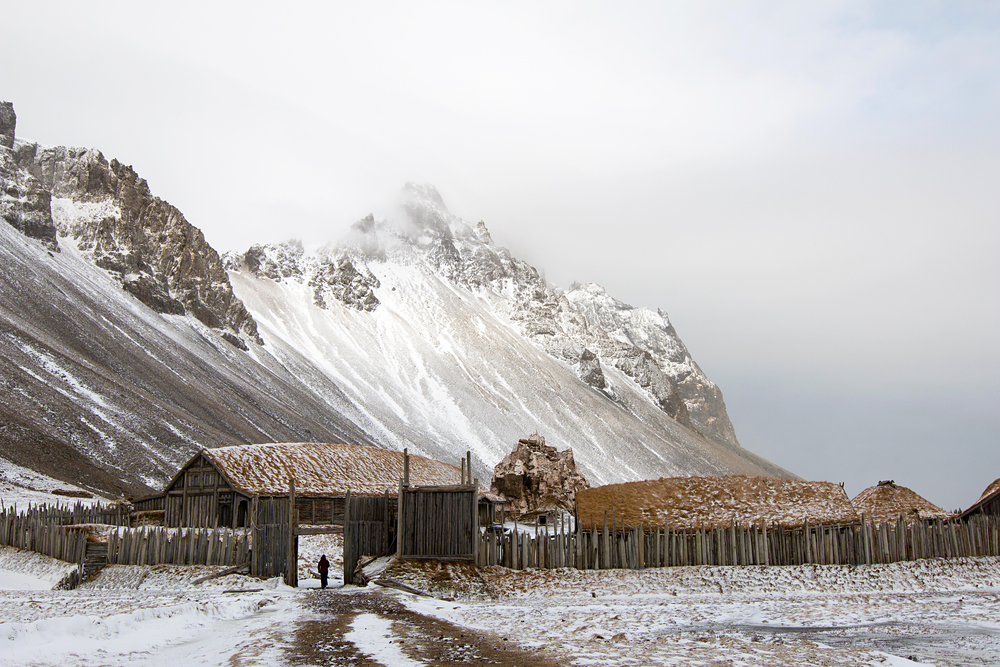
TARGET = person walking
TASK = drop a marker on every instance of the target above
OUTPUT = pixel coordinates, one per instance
(324, 569)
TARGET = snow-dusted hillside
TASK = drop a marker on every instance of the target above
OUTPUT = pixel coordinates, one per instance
(441, 340)
(125, 346)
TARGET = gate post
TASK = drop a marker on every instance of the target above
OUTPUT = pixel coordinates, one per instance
(349, 561)
(292, 556)
(257, 546)
(475, 520)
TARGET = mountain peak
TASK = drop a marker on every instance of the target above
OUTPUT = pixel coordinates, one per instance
(423, 193)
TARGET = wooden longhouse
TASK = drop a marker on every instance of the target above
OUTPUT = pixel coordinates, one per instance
(690, 503)
(216, 487)
(988, 503)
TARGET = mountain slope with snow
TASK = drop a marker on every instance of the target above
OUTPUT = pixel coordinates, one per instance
(458, 343)
(128, 343)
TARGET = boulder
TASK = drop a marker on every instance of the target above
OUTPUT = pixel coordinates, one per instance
(535, 478)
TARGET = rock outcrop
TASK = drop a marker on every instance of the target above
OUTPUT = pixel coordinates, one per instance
(331, 273)
(8, 121)
(147, 244)
(24, 203)
(535, 478)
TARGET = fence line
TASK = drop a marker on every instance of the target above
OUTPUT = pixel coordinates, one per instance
(44, 530)
(368, 529)
(180, 546)
(438, 522)
(621, 547)
(111, 515)
(33, 531)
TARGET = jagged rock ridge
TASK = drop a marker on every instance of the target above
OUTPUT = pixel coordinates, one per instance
(583, 327)
(331, 277)
(109, 211)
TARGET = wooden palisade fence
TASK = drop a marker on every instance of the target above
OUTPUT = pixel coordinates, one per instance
(619, 546)
(35, 531)
(178, 546)
(109, 515)
(438, 522)
(48, 531)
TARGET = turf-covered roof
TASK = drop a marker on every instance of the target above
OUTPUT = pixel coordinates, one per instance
(689, 502)
(324, 469)
(992, 491)
(887, 501)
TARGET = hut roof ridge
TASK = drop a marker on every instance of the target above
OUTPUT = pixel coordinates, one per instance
(324, 469)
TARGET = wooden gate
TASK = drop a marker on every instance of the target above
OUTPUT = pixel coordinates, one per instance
(368, 529)
(439, 522)
(272, 530)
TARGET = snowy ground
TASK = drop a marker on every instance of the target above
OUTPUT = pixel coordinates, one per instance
(933, 612)
(20, 487)
(149, 615)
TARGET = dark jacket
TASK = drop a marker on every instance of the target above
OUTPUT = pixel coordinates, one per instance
(324, 565)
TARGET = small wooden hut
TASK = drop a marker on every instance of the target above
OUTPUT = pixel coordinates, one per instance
(988, 503)
(686, 503)
(216, 486)
(887, 502)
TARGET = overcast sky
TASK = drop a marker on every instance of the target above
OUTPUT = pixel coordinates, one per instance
(811, 190)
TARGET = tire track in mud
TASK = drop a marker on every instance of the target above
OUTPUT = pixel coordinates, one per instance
(321, 640)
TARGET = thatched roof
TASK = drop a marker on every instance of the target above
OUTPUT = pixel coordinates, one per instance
(887, 501)
(992, 492)
(690, 502)
(324, 469)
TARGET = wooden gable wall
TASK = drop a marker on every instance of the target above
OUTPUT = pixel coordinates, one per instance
(200, 497)
(990, 506)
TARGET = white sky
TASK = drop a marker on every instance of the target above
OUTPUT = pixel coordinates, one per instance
(811, 190)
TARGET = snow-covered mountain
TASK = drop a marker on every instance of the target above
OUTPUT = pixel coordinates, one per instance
(128, 343)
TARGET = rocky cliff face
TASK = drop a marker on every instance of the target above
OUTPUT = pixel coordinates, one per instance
(582, 327)
(632, 329)
(155, 254)
(24, 203)
(535, 478)
(332, 276)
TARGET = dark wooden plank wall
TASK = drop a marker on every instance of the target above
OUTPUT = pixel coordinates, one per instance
(990, 507)
(270, 526)
(320, 511)
(439, 524)
(151, 503)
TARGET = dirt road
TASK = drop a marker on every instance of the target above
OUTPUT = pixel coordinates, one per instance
(324, 639)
